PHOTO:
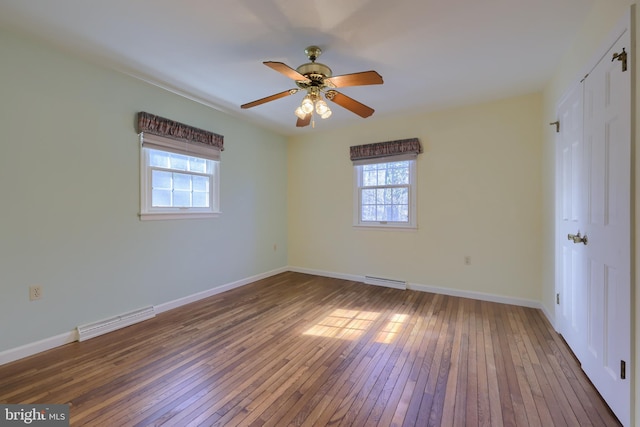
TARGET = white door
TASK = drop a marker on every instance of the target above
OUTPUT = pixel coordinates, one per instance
(607, 225)
(570, 298)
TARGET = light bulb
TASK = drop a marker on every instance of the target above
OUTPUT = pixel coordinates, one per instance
(326, 114)
(301, 114)
(321, 107)
(307, 105)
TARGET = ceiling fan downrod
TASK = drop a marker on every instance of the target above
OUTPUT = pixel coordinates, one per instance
(313, 52)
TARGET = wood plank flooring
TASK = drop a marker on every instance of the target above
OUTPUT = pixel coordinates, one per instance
(304, 350)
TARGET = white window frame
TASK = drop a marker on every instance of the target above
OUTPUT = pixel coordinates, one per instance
(150, 142)
(412, 224)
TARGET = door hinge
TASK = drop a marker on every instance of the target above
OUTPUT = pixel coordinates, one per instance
(623, 369)
(557, 298)
(622, 57)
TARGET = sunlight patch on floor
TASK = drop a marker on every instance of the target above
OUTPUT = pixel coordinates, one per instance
(343, 324)
(351, 324)
(392, 328)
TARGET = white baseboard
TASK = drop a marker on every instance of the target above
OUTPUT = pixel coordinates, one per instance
(160, 308)
(523, 302)
(30, 349)
(331, 274)
(37, 347)
(551, 318)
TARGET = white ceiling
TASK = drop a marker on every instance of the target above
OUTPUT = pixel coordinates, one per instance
(432, 54)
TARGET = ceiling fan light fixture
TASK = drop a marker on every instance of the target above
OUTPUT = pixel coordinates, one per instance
(301, 114)
(307, 104)
(316, 79)
(321, 107)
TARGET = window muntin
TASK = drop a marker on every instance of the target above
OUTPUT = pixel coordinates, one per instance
(170, 188)
(385, 194)
(178, 184)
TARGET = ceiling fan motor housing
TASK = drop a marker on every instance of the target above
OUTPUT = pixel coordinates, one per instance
(315, 72)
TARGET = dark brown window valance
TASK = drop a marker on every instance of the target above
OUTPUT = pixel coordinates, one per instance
(170, 129)
(399, 147)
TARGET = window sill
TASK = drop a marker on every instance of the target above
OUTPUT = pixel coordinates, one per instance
(174, 215)
(386, 227)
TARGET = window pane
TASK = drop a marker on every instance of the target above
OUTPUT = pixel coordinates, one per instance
(400, 213)
(181, 199)
(161, 198)
(383, 196)
(398, 173)
(368, 213)
(178, 161)
(368, 197)
(369, 178)
(159, 158)
(200, 183)
(400, 196)
(197, 165)
(200, 200)
(181, 182)
(161, 179)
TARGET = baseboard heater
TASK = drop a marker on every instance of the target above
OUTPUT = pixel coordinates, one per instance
(117, 322)
(389, 283)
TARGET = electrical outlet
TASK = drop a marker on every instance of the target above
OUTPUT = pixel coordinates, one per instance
(35, 292)
(467, 260)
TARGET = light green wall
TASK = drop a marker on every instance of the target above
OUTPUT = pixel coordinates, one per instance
(69, 198)
(478, 195)
(588, 43)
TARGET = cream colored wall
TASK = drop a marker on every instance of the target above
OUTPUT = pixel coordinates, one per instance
(478, 196)
(590, 41)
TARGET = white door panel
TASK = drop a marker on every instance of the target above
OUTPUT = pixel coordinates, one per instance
(571, 312)
(607, 183)
(593, 197)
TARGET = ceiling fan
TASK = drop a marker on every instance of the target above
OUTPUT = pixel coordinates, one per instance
(316, 79)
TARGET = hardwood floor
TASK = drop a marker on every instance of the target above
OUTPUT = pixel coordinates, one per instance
(296, 349)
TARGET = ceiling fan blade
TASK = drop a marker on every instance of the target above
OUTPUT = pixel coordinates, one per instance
(286, 70)
(269, 98)
(355, 79)
(304, 122)
(349, 103)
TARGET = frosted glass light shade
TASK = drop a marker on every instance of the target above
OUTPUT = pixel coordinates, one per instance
(321, 107)
(301, 114)
(307, 105)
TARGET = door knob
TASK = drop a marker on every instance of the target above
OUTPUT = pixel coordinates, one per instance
(577, 238)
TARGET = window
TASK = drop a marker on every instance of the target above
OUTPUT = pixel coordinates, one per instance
(177, 181)
(385, 193)
(385, 183)
(179, 169)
